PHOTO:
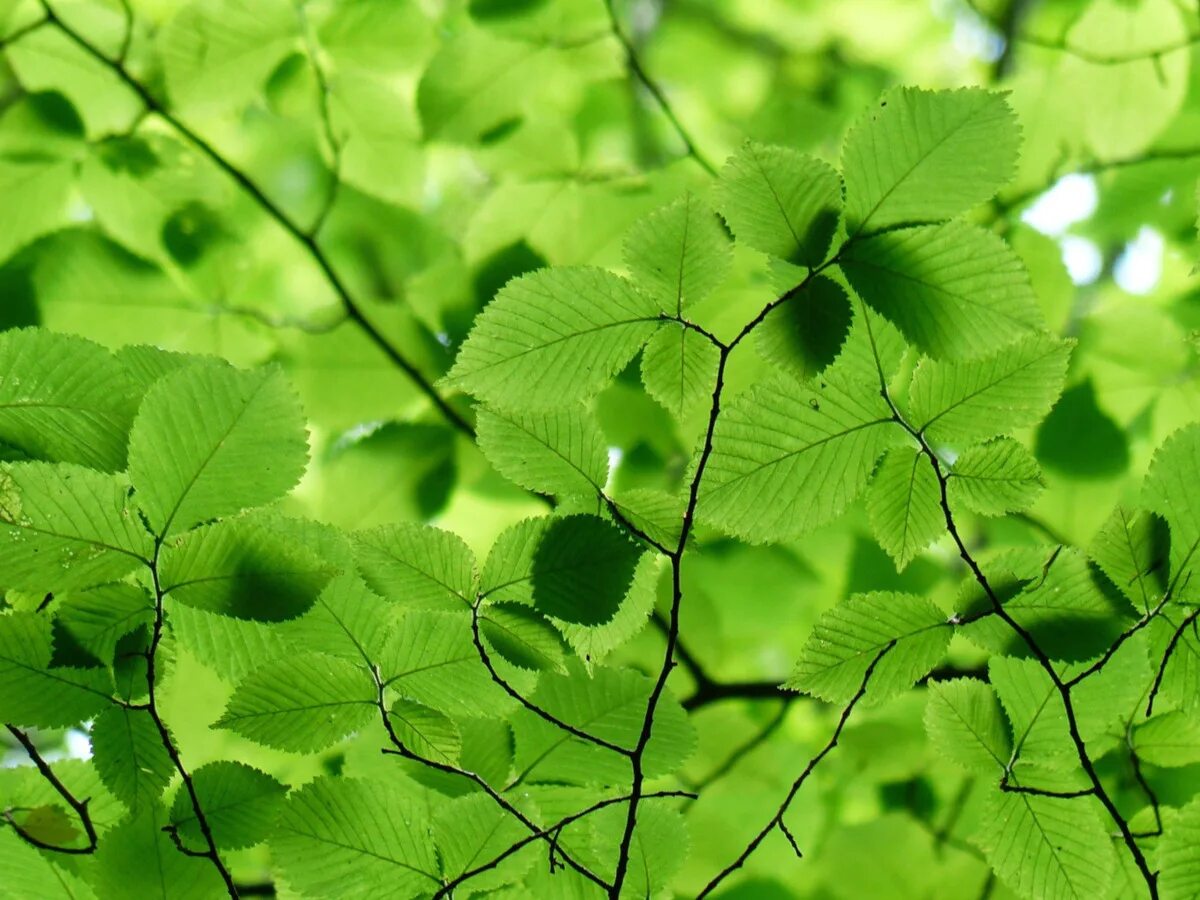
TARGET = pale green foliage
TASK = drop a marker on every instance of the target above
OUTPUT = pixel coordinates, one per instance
(553, 338)
(220, 424)
(1180, 878)
(1010, 389)
(1173, 491)
(64, 399)
(240, 804)
(996, 477)
(954, 290)
(781, 202)
(904, 505)
(559, 452)
(966, 725)
(416, 566)
(788, 459)
(679, 369)
(32, 690)
(1172, 739)
(925, 155)
(849, 637)
(130, 757)
(678, 254)
(1046, 847)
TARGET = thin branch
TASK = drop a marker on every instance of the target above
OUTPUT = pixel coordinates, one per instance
(747, 747)
(551, 831)
(1121, 639)
(353, 310)
(399, 748)
(80, 807)
(312, 51)
(486, 659)
(638, 71)
(165, 738)
(777, 818)
(1162, 667)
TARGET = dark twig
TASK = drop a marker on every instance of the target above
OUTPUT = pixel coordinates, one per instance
(777, 818)
(638, 71)
(80, 807)
(1162, 667)
(553, 831)
(308, 241)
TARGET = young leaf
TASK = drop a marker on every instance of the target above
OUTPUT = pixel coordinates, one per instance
(522, 636)
(240, 803)
(781, 202)
(927, 155)
(995, 478)
(64, 399)
(426, 731)
(806, 334)
(786, 459)
(678, 254)
(1047, 847)
(347, 837)
(64, 527)
(1172, 739)
(1180, 875)
(249, 568)
(1132, 549)
(954, 290)
(904, 505)
(210, 440)
(130, 757)
(418, 567)
(679, 369)
(966, 725)
(1013, 388)
(36, 694)
(303, 702)
(553, 338)
(849, 637)
(582, 569)
(560, 452)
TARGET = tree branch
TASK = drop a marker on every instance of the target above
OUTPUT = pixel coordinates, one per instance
(80, 807)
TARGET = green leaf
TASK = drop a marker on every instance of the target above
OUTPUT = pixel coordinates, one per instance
(1012, 388)
(64, 399)
(658, 847)
(426, 732)
(552, 338)
(1172, 739)
(786, 459)
(609, 705)
(351, 838)
(904, 504)
(781, 202)
(1132, 549)
(966, 725)
(998, 477)
(28, 873)
(1046, 847)
(468, 834)
(927, 155)
(678, 254)
(210, 440)
(34, 693)
(582, 569)
(431, 659)
(417, 566)
(348, 620)
(561, 452)
(849, 637)
(1179, 878)
(679, 369)
(99, 617)
(66, 527)
(302, 702)
(1173, 491)
(130, 757)
(249, 568)
(137, 859)
(240, 803)
(806, 334)
(522, 636)
(954, 290)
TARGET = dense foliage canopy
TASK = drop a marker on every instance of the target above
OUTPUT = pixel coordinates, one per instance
(580, 448)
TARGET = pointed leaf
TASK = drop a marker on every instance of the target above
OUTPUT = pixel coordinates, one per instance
(995, 478)
(130, 757)
(561, 452)
(904, 504)
(417, 566)
(240, 803)
(679, 369)
(966, 725)
(678, 254)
